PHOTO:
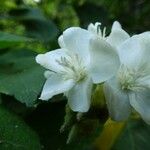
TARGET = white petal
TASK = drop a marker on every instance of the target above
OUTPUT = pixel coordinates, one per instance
(77, 40)
(135, 51)
(79, 97)
(144, 34)
(104, 60)
(116, 26)
(49, 59)
(140, 101)
(55, 85)
(117, 101)
(117, 35)
(48, 73)
(61, 42)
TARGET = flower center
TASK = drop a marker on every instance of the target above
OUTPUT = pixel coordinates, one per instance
(73, 67)
(129, 79)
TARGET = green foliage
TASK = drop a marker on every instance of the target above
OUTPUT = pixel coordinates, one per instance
(70, 19)
(37, 26)
(15, 134)
(21, 76)
(62, 11)
(8, 40)
(135, 136)
(84, 133)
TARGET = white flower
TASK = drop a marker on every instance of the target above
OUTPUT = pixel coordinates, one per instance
(115, 38)
(99, 43)
(130, 88)
(69, 68)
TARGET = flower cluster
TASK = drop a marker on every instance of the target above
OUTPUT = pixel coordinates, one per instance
(88, 57)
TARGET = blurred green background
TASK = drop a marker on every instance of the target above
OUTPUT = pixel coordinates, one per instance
(46, 19)
(28, 27)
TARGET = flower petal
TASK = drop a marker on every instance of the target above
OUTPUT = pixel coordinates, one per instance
(104, 60)
(135, 51)
(117, 101)
(140, 101)
(116, 26)
(55, 85)
(79, 97)
(48, 73)
(77, 40)
(61, 42)
(117, 35)
(49, 59)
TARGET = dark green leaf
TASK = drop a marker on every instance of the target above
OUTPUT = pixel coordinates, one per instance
(135, 136)
(21, 77)
(15, 134)
(7, 39)
(43, 30)
(26, 13)
(37, 26)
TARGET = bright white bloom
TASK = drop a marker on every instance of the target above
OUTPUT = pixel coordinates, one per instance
(99, 44)
(69, 68)
(115, 38)
(130, 88)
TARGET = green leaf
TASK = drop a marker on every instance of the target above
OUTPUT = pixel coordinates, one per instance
(8, 40)
(15, 134)
(135, 136)
(20, 76)
(37, 26)
(26, 13)
(43, 30)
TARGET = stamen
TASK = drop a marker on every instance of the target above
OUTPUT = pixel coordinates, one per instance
(104, 32)
(73, 67)
(100, 32)
(99, 29)
(129, 79)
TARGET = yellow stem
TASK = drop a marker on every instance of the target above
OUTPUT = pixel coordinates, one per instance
(109, 134)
